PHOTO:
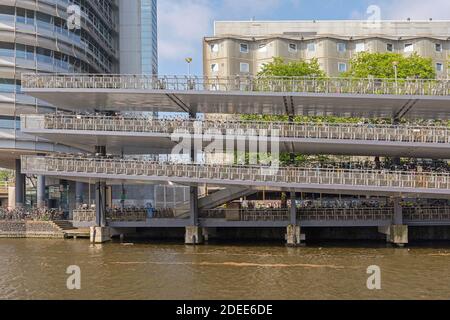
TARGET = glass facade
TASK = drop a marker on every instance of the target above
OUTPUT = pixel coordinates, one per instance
(149, 37)
(37, 39)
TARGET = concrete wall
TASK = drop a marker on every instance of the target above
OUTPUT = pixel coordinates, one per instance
(416, 234)
(29, 229)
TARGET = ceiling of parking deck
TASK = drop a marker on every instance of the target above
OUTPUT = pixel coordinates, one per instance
(423, 107)
(310, 189)
(150, 143)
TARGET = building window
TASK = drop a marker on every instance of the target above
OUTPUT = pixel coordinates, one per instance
(243, 47)
(262, 47)
(342, 67)
(215, 67)
(214, 47)
(439, 67)
(438, 47)
(390, 47)
(311, 47)
(292, 47)
(409, 47)
(360, 47)
(341, 47)
(244, 67)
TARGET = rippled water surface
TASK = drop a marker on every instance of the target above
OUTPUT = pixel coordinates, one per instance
(36, 269)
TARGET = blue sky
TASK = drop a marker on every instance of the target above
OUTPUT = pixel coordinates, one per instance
(183, 23)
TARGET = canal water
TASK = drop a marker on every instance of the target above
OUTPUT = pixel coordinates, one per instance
(36, 269)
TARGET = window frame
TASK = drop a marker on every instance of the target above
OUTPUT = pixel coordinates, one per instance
(342, 64)
(244, 44)
(359, 44)
(407, 46)
(244, 63)
(295, 50)
(212, 46)
(344, 46)
(308, 47)
(212, 69)
(391, 45)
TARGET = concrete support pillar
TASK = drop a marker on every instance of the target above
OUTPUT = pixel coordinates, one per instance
(293, 235)
(109, 197)
(100, 204)
(395, 234)
(398, 212)
(293, 210)
(40, 192)
(100, 234)
(399, 235)
(193, 206)
(20, 185)
(193, 235)
(79, 191)
(11, 198)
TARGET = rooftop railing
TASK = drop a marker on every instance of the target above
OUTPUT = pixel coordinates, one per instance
(239, 84)
(223, 174)
(370, 132)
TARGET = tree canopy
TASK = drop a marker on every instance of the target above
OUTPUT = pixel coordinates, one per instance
(279, 68)
(5, 175)
(381, 65)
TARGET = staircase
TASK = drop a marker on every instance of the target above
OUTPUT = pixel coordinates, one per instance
(69, 231)
(64, 225)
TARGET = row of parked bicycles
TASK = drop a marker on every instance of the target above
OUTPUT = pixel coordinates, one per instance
(31, 214)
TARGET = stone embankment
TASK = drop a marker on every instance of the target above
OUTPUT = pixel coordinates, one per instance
(30, 229)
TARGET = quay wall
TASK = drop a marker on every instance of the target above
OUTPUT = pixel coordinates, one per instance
(30, 229)
(425, 233)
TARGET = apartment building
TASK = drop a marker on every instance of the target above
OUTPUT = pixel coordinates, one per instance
(243, 47)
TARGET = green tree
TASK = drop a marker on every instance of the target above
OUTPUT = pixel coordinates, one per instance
(381, 65)
(279, 68)
(6, 175)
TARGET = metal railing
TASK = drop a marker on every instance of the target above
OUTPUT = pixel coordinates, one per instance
(246, 214)
(84, 215)
(239, 83)
(427, 213)
(333, 214)
(127, 214)
(344, 131)
(228, 173)
(344, 214)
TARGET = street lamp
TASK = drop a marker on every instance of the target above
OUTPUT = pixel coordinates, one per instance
(189, 61)
(395, 64)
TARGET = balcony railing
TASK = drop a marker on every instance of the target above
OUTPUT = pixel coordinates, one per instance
(240, 84)
(369, 132)
(373, 179)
